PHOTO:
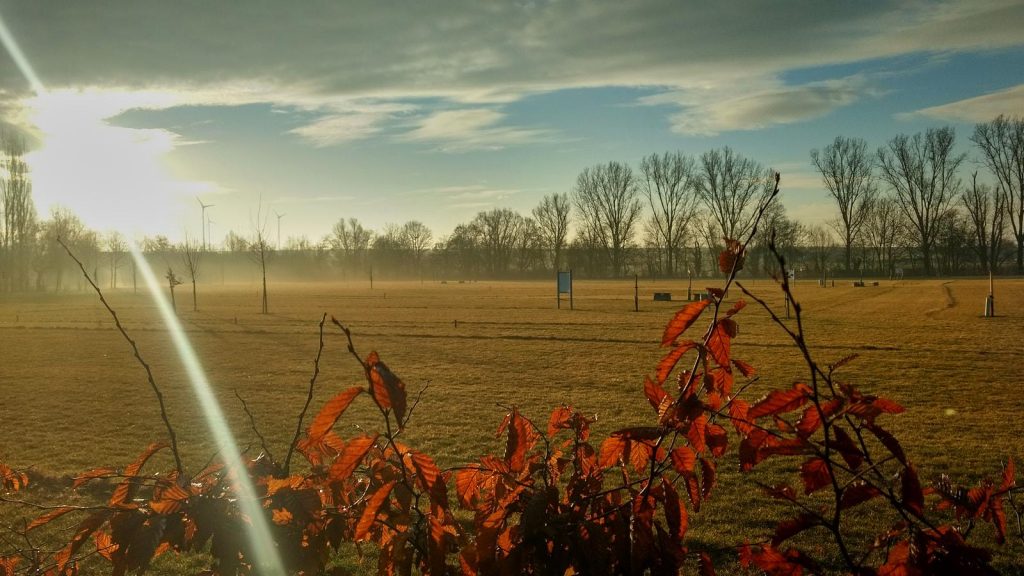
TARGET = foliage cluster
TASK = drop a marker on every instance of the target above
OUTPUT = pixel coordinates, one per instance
(557, 501)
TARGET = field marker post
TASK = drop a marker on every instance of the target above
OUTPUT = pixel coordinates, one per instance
(990, 300)
(636, 292)
(689, 287)
(563, 285)
(371, 276)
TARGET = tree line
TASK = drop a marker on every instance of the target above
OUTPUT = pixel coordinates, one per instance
(906, 205)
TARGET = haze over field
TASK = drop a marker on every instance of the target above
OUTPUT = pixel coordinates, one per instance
(436, 111)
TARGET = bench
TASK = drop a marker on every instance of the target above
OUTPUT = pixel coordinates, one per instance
(662, 296)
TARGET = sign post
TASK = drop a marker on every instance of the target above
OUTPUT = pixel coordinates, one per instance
(564, 286)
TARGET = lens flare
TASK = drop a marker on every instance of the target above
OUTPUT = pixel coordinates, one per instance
(267, 558)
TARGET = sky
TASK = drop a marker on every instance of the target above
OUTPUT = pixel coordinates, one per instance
(391, 110)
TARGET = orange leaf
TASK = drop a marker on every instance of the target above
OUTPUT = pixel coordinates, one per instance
(134, 468)
(613, 451)
(669, 361)
(353, 453)
(387, 389)
(330, 413)
(90, 475)
(719, 342)
(682, 320)
(45, 518)
(683, 460)
(653, 391)
(560, 419)
(104, 544)
(282, 516)
(1009, 476)
(780, 401)
(370, 512)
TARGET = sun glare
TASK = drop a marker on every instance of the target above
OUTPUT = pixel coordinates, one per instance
(113, 177)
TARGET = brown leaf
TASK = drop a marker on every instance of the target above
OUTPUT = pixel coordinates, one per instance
(330, 413)
(370, 512)
(683, 460)
(814, 474)
(672, 358)
(353, 453)
(780, 401)
(719, 342)
(731, 258)
(561, 419)
(682, 320)
(789, 528)
(45, 518)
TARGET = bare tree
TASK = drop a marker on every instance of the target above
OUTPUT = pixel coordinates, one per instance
(18, 224)
(416, 237)
(731, 188)
(986, 208)
(190, 257)
(117, 247)
(259, 247)
(350, 241)
(921, 170)
(1002, 146)
(552, 217)
(820, 241)
(670, 184)
(499, 232)
(883, 232)
(172, 282)
(609, 209)
(845, 167)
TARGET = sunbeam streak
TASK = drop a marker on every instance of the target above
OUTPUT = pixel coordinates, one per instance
(267, 558)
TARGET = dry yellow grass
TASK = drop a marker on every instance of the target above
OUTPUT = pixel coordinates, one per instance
(73, 398)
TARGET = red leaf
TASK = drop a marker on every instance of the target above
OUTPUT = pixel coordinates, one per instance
(889, 441)
(717, 439)
(746, 369)
(780, 401)
(731, 258)
(739, 305)
(613, 451)
(370, 512)
(913, 496)
(857, 493)
(437, 548)
(682, 320)
(888, 406)
(789, 528)
(739, 414)
(696, 433)
(330, 413)
(353, 453)
(706, 567)
(386, 388)
(683, 460)
(719, 343)
(654, 392)
(707, 477)
(640, 433)
(672, 358)
(47, 517)
(814, 474)
(428, 476)
(848, 448)
(1009, 476)
(519, 441)
(134, 468)
(675, 511)
(560, 419)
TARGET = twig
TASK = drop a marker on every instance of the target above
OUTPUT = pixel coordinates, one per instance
(138, 357)
(309, 398)
(252, 424)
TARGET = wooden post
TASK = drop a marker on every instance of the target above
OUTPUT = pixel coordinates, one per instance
(371, 277)
(570, 290)
(558, 291)
(990, 300)
(636, 293)
(689, 287)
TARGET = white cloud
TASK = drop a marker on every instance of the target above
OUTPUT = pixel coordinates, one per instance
(759, 104)
(978, 109)
(473, 129)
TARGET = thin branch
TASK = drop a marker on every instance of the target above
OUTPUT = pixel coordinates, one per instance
(138, 357)
(252, 424)
(309, 398)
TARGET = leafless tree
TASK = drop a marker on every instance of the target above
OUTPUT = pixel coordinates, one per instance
(1002, 146)
(416, 237)
(986, 208)
(731, 188)
(822, 244)
(552, 217)
(884, 231)
(921, 170)
(190, 256)
(846, 168)
(499, 231)
(172, 282)
(607, 202)
(350, 241)
(260, 247)
(670, 184)
(117, 247)
(18, 223)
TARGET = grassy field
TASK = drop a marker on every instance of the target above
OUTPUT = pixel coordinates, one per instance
(73, 397)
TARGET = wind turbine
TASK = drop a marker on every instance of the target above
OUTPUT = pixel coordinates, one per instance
(279, 216)
(203, 223)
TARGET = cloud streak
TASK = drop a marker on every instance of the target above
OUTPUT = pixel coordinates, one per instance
(977, 109)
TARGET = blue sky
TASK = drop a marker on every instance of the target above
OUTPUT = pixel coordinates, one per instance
(391, 111)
